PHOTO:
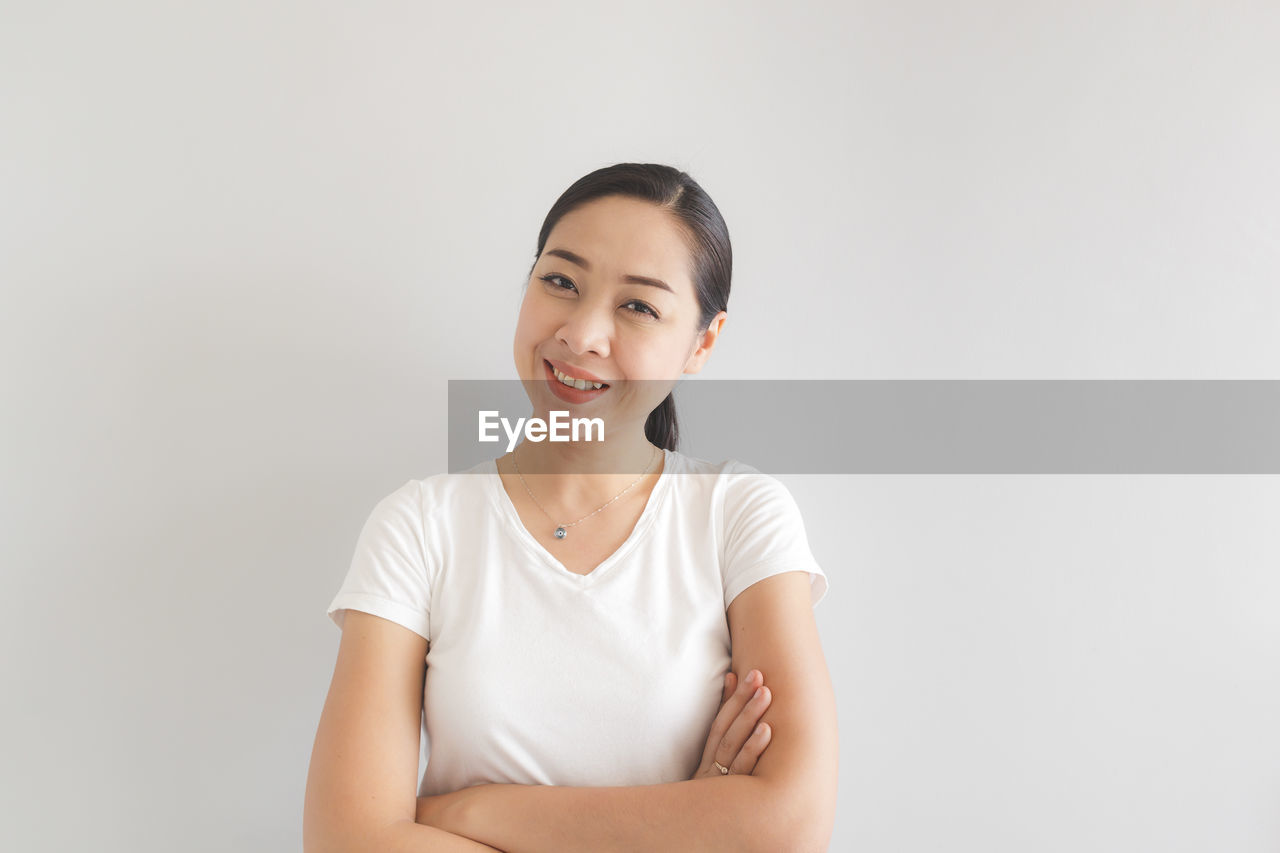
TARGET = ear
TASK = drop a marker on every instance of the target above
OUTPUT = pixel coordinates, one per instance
(706, 341)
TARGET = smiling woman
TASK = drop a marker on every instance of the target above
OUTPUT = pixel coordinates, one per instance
(653, 681)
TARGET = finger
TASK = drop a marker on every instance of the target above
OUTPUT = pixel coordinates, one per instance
(735, 737)
(743, 726)
(728, 712)
(750, 753)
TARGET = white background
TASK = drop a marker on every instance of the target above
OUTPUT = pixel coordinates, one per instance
(244, 245)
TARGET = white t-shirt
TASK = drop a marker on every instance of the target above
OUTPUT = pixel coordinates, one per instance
(541, 676)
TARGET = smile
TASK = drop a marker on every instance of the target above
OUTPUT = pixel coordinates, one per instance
(569, 389)
(580, 384)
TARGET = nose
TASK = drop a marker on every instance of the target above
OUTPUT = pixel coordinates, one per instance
(586, 330)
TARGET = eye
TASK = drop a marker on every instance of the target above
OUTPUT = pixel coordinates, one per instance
(558, 282)
(644, 308)
(550, 278)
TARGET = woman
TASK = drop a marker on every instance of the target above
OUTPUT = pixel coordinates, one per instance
(586, 624)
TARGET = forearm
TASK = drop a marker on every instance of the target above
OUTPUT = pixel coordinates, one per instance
(734, 813)
(409, 837)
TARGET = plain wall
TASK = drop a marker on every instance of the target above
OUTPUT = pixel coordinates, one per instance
(244, 245)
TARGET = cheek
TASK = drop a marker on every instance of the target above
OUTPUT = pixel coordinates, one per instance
(527, 322)
(654, 361)
(534, 314)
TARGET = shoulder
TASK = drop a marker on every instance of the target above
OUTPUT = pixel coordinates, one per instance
(734, 489)
(747, 489)
(425, 515)
(725, 473)
(763, 534)
(439, 495)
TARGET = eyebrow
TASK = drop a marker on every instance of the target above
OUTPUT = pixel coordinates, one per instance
(582, 262)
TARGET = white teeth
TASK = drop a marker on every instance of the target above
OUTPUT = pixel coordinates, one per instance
(580, 384)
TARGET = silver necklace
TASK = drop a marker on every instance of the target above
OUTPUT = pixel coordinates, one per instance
(562, 530)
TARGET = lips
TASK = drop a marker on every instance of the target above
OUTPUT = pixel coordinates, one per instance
(575, 372)
(568, 393)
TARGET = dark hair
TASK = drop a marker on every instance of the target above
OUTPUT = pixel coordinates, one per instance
(705, 233)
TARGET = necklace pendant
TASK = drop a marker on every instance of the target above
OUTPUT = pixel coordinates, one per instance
(561, 533)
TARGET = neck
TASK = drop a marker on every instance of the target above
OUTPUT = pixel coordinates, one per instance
(576, 473)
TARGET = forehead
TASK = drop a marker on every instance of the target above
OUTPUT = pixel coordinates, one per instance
(625, 236)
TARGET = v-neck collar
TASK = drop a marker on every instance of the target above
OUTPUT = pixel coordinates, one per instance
(507, 510)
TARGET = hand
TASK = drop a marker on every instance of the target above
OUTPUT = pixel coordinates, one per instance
(735, 740)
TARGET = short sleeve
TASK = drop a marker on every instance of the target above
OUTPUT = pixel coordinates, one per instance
(389, 576)
(764, 535)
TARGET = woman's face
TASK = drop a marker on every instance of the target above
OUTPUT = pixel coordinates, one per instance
(586, 312)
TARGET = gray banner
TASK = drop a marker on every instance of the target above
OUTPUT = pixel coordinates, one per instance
(1005, 426)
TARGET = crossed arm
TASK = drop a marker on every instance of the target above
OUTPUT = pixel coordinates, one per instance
(786, 804)
(730, 814)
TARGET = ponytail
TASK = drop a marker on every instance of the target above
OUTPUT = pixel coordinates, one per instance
(661, 427)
